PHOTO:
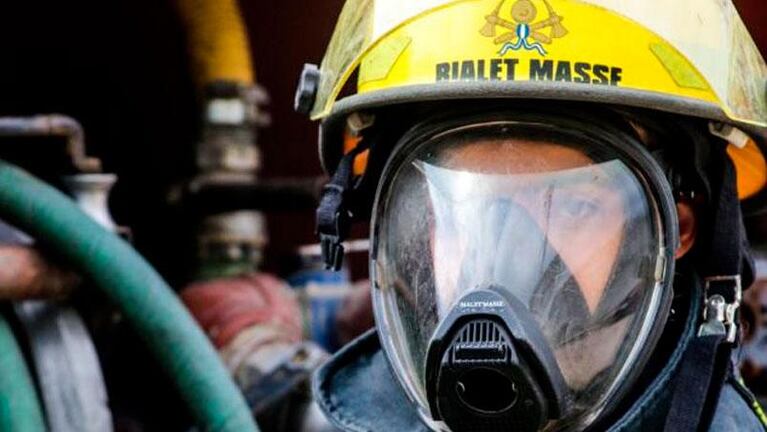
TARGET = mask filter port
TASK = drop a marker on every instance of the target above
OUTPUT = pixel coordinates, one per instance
(486, 391)
(484, 384)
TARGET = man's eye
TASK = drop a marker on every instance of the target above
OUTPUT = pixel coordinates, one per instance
(578, 208)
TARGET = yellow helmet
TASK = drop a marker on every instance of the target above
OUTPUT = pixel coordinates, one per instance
(690, 57)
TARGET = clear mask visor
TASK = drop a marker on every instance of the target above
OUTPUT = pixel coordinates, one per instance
(568, 231)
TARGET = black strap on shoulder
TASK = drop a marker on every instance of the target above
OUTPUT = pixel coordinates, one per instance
(334, 216)
(701, 376)
(726, 267)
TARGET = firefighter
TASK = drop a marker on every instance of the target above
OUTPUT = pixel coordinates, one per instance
(556, 247)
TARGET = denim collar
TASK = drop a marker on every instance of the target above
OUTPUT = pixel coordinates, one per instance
(358, 392)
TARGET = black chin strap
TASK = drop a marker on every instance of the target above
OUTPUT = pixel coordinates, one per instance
(706, 361)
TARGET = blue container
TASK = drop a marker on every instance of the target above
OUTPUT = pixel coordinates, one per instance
(321, 293)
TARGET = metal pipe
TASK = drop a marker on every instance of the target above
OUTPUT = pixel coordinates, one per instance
(55, 125)
(286, 194)
(25, 274)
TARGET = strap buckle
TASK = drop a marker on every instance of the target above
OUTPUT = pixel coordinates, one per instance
(331, 244)
(723, 295)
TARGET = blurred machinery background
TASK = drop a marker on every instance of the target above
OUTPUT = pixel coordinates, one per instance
(177, 132)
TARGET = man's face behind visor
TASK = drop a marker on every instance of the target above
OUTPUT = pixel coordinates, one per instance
(560, 189)
(493, 227)
(566, 229)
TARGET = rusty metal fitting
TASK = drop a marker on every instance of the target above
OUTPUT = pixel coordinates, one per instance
(236, 238)
(232, 114)
(55, 125)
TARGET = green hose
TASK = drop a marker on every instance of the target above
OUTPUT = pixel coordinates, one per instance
(145, 299)
(19, 407)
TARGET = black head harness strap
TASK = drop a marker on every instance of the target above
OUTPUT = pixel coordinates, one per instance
(334, 214)
(726, 268)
